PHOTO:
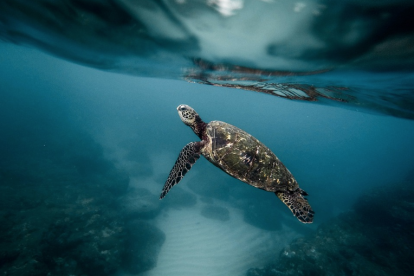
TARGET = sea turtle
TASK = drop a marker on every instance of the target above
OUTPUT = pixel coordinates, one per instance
(240, 155)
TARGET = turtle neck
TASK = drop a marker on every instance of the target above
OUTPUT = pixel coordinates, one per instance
(198, 127)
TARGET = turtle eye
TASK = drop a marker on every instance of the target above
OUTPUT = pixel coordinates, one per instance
(183, 108)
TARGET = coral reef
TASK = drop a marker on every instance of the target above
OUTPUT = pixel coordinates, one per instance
(62, 205)
(145, 241)
(376, 238)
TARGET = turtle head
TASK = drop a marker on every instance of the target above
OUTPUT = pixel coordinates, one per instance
(190, 117)
(187, 114)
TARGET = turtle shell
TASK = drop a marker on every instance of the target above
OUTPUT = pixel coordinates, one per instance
(244, 157)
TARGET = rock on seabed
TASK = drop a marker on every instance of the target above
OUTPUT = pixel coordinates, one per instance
(376, 238)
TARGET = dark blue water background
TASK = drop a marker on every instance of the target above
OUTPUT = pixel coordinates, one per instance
(337, 153)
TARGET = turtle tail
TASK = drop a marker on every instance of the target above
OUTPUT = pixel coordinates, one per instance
(299, 205)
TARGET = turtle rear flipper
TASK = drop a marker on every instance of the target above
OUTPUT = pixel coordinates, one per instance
(297, 204)
(186, 159)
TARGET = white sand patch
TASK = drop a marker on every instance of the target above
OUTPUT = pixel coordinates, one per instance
(196, 245)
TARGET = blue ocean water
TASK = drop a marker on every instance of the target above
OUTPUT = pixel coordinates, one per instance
(85, 150)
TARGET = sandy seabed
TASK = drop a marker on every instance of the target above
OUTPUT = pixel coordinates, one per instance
(196, 245)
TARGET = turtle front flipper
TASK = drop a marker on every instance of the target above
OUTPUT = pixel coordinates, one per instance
(188, 156)
(297, 204)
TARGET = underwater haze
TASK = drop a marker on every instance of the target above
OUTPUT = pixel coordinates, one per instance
(90, 132)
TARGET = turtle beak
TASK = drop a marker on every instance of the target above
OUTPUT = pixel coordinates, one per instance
(181, 107)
